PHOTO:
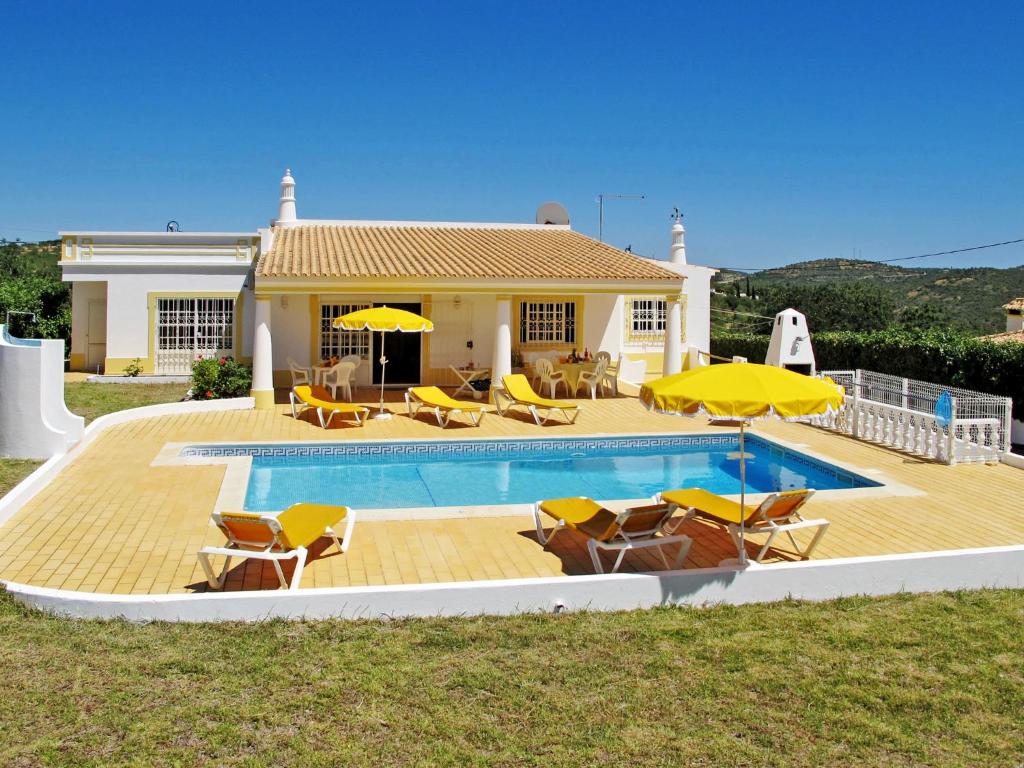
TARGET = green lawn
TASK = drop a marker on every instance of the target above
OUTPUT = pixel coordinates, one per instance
(95, 400)
(900, 681)
(92, 401)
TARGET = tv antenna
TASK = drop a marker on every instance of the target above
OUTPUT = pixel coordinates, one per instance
(600, 209)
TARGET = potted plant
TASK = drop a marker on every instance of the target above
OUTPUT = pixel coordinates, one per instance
(517, 361)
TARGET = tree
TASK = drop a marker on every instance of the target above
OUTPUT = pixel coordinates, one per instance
(922, 317)
(850, 307)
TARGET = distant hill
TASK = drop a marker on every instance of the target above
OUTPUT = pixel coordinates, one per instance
(971, 298)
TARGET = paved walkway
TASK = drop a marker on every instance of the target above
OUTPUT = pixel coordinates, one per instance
(111, 522)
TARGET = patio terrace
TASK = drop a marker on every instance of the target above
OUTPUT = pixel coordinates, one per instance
(112, 523)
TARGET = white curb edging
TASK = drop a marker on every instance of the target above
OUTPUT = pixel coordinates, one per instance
(20, 494)
(815, 580)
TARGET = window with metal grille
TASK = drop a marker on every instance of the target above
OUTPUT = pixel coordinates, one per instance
(188, 328)
(338, 343)
(648, 317)
(547, 321)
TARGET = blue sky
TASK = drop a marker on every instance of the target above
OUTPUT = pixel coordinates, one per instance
(785, 131)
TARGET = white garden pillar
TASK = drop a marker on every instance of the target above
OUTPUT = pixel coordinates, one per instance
(673, 362)
(502, 362)
(262, 356)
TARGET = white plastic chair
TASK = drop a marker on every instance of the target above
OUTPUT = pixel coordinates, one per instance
(632, 371)
(535, 376)
(357, 361)
(340, 377)
(300, 374)
(593, 379)
(611, 372)
(548, 375)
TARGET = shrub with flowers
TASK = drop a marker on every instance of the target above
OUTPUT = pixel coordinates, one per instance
(214, 378)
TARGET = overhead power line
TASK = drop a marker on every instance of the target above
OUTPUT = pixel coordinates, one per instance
(745, 314)
(890, 260)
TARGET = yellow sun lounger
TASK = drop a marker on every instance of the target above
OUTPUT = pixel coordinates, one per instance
(633, 528)
(779, 513)
(517, 391)
(443, 406)
(283, 536)
(320, 399)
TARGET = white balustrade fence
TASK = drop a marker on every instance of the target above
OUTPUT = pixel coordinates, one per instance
(900, 413)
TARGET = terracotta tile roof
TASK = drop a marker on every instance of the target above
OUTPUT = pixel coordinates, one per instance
(358, 251)
(1007, 336)
(1014, 305)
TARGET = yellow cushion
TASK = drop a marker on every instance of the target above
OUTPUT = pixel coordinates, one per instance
(302, 524)
(518, 388)
(318, 397)
(434, 396)
(584, 515)
(708, 504)
(716, 508)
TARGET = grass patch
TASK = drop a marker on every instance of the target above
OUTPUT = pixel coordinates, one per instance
(93, 401)
(13, 471)
(898, 681)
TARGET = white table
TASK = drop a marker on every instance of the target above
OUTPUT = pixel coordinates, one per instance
(467, 376)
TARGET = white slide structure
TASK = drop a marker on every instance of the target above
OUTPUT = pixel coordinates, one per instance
(35, 423)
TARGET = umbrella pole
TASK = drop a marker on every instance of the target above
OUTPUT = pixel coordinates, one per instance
(381, 413)
(743, 496)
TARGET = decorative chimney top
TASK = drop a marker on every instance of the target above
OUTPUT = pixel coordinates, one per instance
(677, 253)
(286, 210)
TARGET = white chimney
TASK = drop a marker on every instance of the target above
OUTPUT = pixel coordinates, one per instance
(286, 210)
(677, 253)
(790, 346)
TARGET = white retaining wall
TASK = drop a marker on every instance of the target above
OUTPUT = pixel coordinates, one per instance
(812, 580)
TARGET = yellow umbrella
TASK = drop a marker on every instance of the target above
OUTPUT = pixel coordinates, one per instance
(385, 320)
(740, 392)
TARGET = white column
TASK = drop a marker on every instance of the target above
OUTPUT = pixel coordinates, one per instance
(502, 361)
(262, 356)
(673, 361)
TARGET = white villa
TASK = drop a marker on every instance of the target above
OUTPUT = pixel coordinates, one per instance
(268, 296)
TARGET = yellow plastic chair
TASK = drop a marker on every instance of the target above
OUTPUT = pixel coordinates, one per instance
(633, 528)
(283, 536)
(320, 399)
(517, 391)
(778, 513)
(444, 407)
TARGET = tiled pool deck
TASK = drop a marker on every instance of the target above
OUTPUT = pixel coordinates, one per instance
(111, 522)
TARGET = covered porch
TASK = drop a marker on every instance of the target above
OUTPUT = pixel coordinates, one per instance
(496, 294)
(472, 330)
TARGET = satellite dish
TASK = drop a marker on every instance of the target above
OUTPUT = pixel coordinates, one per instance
(552, 213)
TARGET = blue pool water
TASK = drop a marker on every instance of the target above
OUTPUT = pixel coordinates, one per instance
(469, 473)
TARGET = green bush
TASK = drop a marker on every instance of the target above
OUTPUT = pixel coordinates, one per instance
(940, 356)
(214, 378)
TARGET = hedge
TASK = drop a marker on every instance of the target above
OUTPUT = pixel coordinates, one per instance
(938, 356)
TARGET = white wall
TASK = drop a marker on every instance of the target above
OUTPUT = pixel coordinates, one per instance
(602, 324)
(289, 331)
(34, 421)
(698, 306)
(128, 332)
(471, 318)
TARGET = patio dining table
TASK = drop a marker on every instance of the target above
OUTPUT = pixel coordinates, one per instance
(572, 372)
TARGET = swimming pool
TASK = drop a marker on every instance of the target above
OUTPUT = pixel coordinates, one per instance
(459, 473)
